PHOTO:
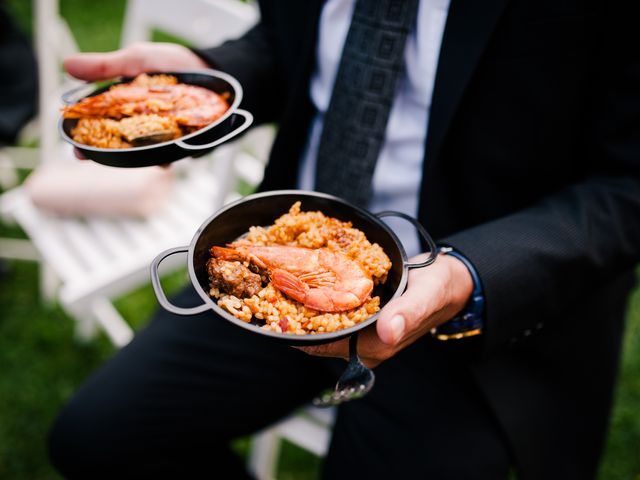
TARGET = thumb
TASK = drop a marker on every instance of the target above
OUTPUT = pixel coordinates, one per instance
(403, 316)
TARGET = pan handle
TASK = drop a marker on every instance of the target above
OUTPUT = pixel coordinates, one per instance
(247, 121)
(157, 287)
(433, 250)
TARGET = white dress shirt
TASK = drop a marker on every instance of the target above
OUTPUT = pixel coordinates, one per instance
(398, 173)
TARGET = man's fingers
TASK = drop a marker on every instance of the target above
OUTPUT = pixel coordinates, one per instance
(425, 296)
(78, 154)
(393, 329)
(132, 60)
(100, 66)
(368, 346)
(127, 62)
(338, 349)
(370, 350)
(405, 314)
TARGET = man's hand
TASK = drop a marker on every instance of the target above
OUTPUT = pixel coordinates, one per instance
(434, 295)
(130, 61)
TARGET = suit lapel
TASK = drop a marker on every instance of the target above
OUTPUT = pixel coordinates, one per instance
(309, 19)
(284, 161)
(467, 32)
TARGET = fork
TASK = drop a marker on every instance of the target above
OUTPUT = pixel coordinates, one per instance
(355, 382)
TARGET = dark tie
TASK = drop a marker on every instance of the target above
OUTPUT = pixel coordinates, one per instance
(355, 122)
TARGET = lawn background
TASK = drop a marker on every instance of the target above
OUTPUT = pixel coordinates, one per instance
(41, 365)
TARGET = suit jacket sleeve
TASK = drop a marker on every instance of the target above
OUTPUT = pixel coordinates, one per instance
(536, 263)
(253, 61)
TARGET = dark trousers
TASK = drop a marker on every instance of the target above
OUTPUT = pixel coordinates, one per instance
(168, 404)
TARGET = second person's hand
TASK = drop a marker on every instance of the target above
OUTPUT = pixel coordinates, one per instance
(132, 60)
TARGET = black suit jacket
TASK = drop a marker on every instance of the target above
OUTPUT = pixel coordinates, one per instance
(532, 170)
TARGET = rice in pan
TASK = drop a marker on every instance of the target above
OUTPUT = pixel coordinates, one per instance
(149, 109)
(248, 292)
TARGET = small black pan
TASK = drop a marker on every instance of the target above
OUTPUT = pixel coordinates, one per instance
(233, 122)
(234, 220)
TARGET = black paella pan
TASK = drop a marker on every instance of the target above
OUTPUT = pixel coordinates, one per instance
(233, 220)
(230, 124)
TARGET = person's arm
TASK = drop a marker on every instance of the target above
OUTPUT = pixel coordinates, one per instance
(537, 262)
(252, 60)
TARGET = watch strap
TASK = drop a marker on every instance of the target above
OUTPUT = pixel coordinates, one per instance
(469, 322)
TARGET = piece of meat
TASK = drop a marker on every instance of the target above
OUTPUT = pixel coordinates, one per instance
(233, 278)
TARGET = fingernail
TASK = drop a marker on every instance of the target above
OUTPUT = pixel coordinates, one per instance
(397, 327)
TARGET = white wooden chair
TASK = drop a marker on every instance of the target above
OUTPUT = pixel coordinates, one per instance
(200, 22)
(14, 158)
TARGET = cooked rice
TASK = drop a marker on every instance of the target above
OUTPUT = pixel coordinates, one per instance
(108, 133)
(310, 230)
(144, 80)
(99, 132)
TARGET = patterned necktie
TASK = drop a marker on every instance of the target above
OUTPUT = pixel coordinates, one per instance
(355, 122)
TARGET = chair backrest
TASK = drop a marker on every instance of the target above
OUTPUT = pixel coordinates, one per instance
(54, 42)
(200, 22)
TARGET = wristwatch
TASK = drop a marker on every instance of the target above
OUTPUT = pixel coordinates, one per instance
(469, 321)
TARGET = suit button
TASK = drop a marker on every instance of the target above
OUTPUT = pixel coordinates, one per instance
(527, 332)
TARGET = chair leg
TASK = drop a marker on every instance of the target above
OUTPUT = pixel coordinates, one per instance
(116, 328)
(263, 456)
(8, 175)
(49, 283)
(100, 312)
(86, 326)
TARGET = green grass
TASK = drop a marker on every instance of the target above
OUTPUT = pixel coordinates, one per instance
(40, 367)
(41, 364)
(622, 454)
(92, 23)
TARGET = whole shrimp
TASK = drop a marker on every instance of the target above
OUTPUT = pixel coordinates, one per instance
(320, 279)
(191, 106)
